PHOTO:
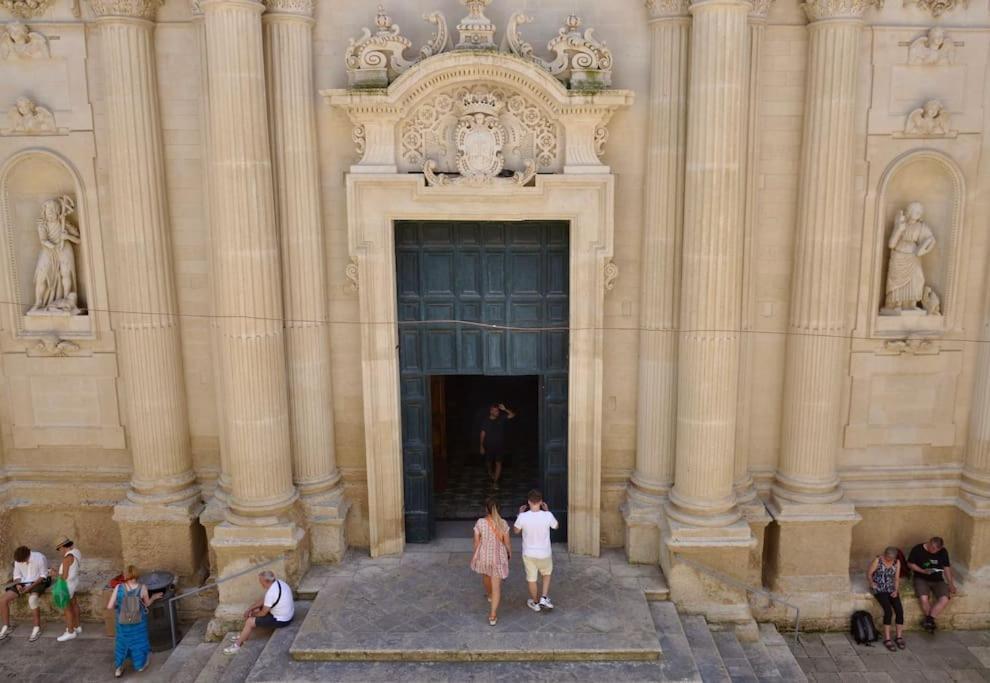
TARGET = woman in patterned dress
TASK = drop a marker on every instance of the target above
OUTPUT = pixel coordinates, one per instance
(492, 552)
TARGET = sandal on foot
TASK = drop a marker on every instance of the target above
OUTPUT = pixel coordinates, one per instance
(900, 643)
(492, 621)
(889, 644)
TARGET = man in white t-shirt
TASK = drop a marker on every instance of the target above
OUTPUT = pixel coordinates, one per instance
(275, 609)
(534, 523)
(30, 579)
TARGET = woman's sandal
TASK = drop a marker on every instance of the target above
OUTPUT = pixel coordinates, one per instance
(900, 643)
(492, 621)
(889, 644)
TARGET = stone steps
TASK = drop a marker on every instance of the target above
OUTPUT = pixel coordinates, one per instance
(189, 657)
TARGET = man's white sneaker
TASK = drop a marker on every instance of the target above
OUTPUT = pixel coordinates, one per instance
(545, 602)
(68, 635)
(78, 630)
(35, 634)
(232, 649)
(5, 632)
(533, 605)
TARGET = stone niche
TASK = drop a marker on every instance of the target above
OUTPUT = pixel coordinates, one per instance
(933, 180)
(31, 184)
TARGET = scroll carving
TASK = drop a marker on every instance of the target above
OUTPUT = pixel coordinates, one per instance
(611, 275)
(376, 59)
(353, 281)
(937, 7)
(54, 345)
(582, 61)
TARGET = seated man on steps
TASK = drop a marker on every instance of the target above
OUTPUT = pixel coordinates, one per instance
(932, 574)
(31, 579)
(275, 609)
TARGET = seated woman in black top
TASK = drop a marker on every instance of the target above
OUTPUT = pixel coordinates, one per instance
(885, 583)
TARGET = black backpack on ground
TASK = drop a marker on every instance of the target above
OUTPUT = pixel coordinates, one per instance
(863, 630)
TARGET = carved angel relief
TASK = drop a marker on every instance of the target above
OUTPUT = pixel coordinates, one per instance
(17, 41)
(928, 121)
(28, 118)
(931, 49)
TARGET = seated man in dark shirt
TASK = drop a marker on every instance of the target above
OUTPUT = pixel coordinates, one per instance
(932, 574)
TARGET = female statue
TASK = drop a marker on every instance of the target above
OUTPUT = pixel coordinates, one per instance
(911, 239)
(55, 273)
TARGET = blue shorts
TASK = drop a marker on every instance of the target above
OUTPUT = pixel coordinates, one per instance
(268, 621)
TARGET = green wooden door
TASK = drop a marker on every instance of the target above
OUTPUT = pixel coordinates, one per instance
(481, 299)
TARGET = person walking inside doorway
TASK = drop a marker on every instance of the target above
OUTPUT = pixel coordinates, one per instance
(492, 439)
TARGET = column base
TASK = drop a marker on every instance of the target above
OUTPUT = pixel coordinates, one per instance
(326, 517)
(240, 548)
(725, 550)
(974, 535)
(641, 512)
(167, 537)
(808, 546)
(214, 513)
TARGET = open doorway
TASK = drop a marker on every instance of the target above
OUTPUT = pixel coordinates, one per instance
(461, 474)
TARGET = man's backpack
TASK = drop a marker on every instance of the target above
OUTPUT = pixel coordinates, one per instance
(130, 607)
(863, 630)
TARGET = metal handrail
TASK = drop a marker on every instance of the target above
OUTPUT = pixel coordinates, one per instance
(725, 578)
(195, 591)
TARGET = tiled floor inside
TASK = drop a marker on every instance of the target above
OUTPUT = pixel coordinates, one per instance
(468, 484)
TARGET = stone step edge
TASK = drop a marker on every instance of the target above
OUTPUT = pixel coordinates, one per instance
(513, 655)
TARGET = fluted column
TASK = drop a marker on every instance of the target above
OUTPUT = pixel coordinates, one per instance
(670, 27)
(246, 266)
(708, 351)
(745, 490)
(288, 26)
(146, 322)
(974, 493)
(817, 343)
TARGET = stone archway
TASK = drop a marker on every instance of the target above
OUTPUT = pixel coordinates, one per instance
(548, 140)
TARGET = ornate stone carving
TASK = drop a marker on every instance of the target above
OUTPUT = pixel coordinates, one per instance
(359, 136)
(611, 275)
(761, 8)
(928, 121)
(431, 130)
(601, 138)
(906, 288)
(17, 41)
(53, 345)
(667, 8)
(137, 9)
(838, 9)
(26, 9)
(55, 283)
(353, 281)
(916, 346)
(931, 49)
(300, 7)
(582, 61)
(28, 118)
(937, 7)
(376, 59)
(477, 32)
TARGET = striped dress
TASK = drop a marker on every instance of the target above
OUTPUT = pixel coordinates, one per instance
(491, 559)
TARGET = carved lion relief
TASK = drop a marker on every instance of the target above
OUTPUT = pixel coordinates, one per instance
(456, 128)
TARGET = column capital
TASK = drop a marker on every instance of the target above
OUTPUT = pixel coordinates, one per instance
(761, 8)
(667, 9)
(128, 9)
(821, 10)
(302, 8)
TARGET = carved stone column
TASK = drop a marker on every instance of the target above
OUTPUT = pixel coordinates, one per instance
(670, 26)
(806, 490)
(974, 494)
(248, 302)
(158, 522)
(288, 26)
(708, 353)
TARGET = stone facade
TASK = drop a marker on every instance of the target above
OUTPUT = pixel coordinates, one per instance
(778, 245)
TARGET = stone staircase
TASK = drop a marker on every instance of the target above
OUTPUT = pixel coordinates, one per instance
(691, 650)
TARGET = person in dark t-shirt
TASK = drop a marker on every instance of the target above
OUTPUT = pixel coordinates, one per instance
(929, 562)
(492, 439)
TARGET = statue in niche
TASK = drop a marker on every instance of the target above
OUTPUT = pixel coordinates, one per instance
(27, 118)
(55, 285)
(931, 49)
(930, 120)
(911, 239)
(19, 42)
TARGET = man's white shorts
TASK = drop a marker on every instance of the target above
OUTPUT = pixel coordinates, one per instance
(34, 600)
(534, 565)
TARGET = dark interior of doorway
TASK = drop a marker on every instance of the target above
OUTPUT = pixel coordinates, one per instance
(460, 477)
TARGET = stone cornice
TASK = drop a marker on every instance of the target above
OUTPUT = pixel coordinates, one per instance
(132, 9)
(666, 9)
(820, 10)
(302, 8)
